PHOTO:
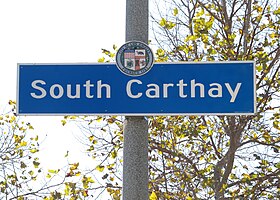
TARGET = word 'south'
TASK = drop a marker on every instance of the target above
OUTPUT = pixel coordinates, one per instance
(136, 89)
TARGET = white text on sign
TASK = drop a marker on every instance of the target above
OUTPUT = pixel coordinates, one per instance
(136, 89)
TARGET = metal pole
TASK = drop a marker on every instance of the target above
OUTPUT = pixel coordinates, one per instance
(135, 162)
(137, 19)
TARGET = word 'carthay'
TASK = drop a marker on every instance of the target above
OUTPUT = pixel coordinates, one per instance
(136, 89)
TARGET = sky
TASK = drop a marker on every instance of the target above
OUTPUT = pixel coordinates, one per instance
(55, 31)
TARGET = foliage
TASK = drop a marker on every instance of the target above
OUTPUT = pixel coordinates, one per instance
(103, 140)
(220, 157)
(190, 157)
(19, 163)
(21, 174)
(207, 157)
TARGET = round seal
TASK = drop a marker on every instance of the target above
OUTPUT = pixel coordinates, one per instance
(134, 58)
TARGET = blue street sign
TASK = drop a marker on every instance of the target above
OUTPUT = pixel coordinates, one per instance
(207, 88)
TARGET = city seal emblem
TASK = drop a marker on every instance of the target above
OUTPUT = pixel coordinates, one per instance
(134, 58)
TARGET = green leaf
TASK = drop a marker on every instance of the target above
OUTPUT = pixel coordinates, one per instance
(277, 165)
(22, 165)
(175, 11)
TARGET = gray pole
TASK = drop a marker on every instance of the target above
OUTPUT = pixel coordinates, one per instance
(135, 162)
(137, 19)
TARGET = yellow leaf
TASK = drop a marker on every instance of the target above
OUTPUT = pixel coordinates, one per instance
(200, 13)
(100, 168)
(255, 136)
(63, 122)
(277, 12)
(23, 143)
(191, 37)
(99, 119)
(112, 55)
(91, 138)
(30, 127)
(273, 35)
(162, 22)
(11, 102)
(74, 166)
(36, 138)
(86, 181)
(85, 193)
(13, 118)
(114, 154)
(101, 60)
(246, 176)
(31, 172)
(78, 174)
(67, 190)
(53, 171)
(153, 196)
(90, 180)
(33, 150)
(36, 164)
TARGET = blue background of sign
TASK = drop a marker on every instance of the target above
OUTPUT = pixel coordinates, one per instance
(121, 104)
